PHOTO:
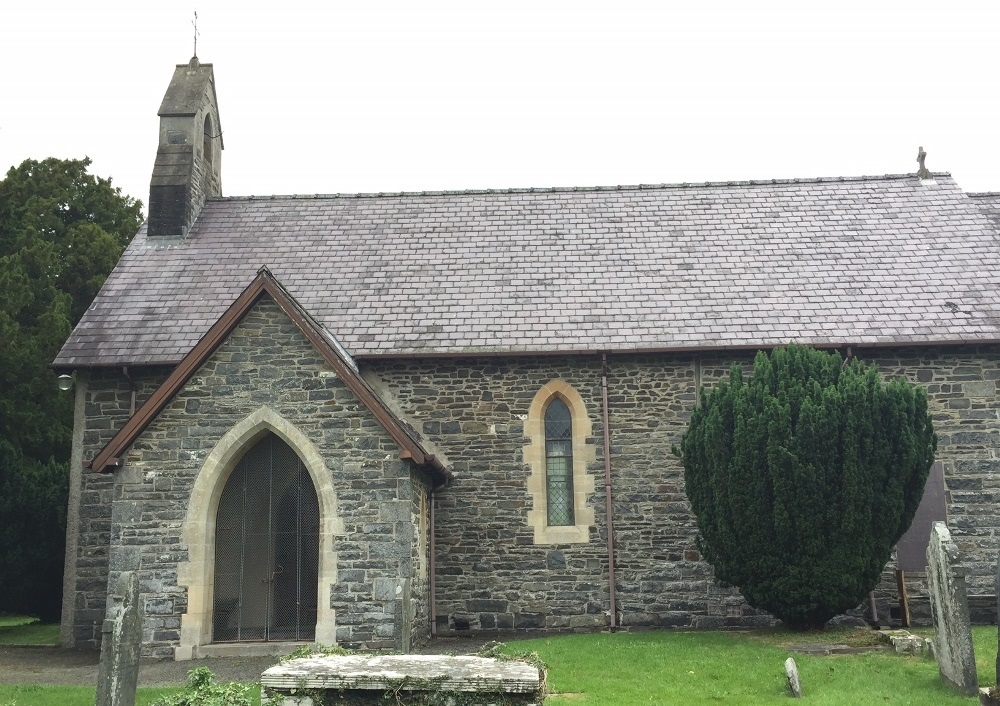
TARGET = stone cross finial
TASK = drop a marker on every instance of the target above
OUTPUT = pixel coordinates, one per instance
(923, 172)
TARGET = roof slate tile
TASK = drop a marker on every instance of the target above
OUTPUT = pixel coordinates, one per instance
(741, 264)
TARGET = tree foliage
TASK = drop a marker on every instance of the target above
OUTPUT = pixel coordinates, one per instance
(61, 232)
(33, 499)
(804, 477)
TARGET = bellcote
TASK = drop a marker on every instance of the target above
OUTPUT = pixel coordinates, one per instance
(188, 167)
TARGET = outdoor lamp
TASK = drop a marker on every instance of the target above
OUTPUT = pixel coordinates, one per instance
(65, 382)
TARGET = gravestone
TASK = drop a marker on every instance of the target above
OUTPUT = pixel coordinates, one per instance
(121, 640)
(371, 680)
(950, 611)
(792, 674)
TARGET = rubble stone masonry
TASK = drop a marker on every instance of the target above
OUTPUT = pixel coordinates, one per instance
(490, 573)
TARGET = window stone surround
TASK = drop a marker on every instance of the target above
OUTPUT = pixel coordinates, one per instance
(583, 454)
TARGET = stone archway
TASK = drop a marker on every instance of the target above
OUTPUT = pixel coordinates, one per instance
(199, 530)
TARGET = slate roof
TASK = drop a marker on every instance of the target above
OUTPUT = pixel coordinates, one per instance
(846, 261)
(988, 203)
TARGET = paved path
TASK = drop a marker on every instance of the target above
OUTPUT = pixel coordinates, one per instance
(52, 665)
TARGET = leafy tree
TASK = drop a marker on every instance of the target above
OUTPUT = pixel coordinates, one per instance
(804, 477)
(61, 232)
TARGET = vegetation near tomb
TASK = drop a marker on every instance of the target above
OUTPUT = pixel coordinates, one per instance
(804, 477)
(203, 690)
(61, 232)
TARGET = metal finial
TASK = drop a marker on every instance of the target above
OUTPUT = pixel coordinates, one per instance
(194, 23)
(923, 172)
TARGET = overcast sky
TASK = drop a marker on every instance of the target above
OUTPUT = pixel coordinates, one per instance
(327, 97)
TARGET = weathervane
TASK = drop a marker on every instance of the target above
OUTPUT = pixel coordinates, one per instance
(194, 23)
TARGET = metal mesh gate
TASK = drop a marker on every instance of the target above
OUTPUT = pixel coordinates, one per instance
(266, 549)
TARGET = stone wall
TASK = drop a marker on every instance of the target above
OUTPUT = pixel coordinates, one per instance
(491, 575)
(962, 385)
(107, 395)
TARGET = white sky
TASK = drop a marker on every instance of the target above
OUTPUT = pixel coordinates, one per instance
(325, 97)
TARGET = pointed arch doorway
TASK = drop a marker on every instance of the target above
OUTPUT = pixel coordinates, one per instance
(266, 549)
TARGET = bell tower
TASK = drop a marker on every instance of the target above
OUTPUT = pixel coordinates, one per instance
(188, 168)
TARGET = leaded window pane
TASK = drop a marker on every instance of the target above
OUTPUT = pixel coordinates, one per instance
(558, 422)
(559, 463)
(559, 448)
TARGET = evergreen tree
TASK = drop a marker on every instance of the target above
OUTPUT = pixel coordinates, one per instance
(33, 500)
(61, 232)
(804, 477)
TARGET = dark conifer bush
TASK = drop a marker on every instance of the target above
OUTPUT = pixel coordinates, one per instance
(804, 477)
(33, 498)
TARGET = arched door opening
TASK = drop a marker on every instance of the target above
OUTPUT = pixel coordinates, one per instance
(266, 549)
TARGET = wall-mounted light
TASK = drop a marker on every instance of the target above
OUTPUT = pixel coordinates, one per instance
(65, 382)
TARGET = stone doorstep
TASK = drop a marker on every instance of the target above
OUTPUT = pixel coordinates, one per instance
(247, 649)
(404, 673)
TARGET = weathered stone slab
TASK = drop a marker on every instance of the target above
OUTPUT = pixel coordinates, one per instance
(118, 674)
(792, 674)
(950, 609)
(365, 679)
(906, 643)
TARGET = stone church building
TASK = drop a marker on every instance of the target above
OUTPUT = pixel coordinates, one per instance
(367, 418)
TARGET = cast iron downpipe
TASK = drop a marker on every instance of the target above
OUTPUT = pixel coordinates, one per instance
(607, 490)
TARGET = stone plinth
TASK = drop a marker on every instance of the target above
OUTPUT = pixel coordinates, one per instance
(423, 679)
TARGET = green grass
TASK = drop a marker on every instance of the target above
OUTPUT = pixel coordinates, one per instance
(24, 630)
(685, 668)
(48, 695)
(52, 695)
(7, 620)
(710, 668)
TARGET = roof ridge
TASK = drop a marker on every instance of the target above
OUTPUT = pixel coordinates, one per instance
(980, 194)
(573, 189)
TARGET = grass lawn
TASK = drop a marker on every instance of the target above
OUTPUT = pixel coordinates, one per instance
(738, 668)
(48, 695)
(22, 630)
(686, 668)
